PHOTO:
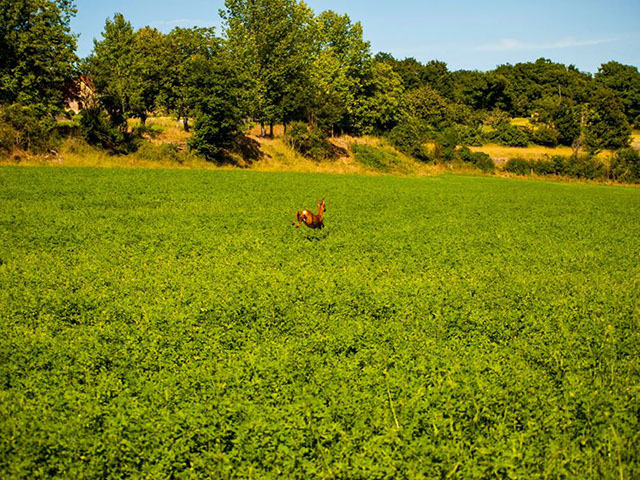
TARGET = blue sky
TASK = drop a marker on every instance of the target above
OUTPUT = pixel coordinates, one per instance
(466, 34)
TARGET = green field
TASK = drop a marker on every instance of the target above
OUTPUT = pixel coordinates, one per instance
(173, 324)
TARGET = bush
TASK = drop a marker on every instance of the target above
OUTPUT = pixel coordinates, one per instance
(215, 132)
(469, 136)
(409, 137)
(98, 129)
(543, 167)
(585, 167)
(625, 166)
(507, 134)
(448, 140)
(519, 166)
(559, 163)
(545, 136)
(310, 142)
(480, 160)
(23, 128)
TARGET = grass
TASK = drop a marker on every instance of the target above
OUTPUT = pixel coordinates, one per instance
(165, 323)
(521, 122)
(501, 153)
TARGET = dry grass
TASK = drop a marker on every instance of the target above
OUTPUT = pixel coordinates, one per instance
(501, 153)
(164, 130)
(521, 122)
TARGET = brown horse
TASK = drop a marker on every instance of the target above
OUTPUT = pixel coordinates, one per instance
(309, 219)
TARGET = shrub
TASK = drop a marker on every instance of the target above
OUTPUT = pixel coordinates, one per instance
(559, 163)
(469, 136)
(543, 167)
(23, 128)
(448, 140)
(545, 136)
(311, 142)
(99, 130)
(585, 166)
(507, 134)
(480, 160)
(215, 132)
(409, 137)
(519, 166)
(625, 166)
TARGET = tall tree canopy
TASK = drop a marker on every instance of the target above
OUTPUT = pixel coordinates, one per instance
(111, 66)
(37, 52)
(624, 80)
(272, 42)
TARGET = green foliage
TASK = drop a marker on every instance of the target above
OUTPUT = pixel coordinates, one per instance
(586, 167)
(480, 160)
(625, 166)
(110, 66)
(532, 81)
(471, 136)
(425, 104)
(378, 108)
(190, 52)
(22, 128)
(509, 135)
(546, 166)
(545, 136)
(410, 137)
(375, 158)
(271, 41)
(446, 141)
(337, 72)
(98, 129)
(566, 120)
(625, 81)
(172, 324)
(606, 125)
(519, 166)
(215, 132)
(311, 142)
(37, 53)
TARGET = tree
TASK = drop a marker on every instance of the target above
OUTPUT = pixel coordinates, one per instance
(149, 69)
(565, 118)
(111, 67)
(215, 94)
(271, 40)
(337, 71)
(426, 104)
(625, 81)
(379, 107)
(562, 115)
(37, 53)
(606, 123)
(187, 49)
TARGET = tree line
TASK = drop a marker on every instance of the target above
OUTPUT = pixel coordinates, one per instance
(278, 62)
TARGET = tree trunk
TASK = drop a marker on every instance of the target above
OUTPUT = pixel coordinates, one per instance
(263, 131)
(185, 122)
(143, 119)
(271, 130)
